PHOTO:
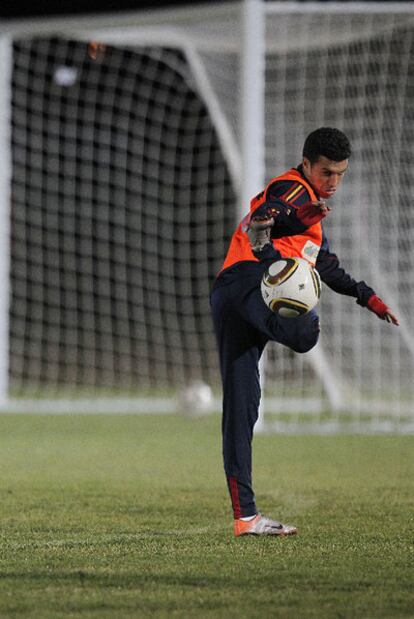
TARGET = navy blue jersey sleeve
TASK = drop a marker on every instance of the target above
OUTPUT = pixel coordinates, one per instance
(291, 192)
(334, 276)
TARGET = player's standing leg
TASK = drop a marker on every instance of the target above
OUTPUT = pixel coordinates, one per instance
(243, 325)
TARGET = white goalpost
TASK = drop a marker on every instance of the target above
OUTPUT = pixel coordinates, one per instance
(5, 207)
(126, 166)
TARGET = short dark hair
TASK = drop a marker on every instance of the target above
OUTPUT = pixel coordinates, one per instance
(329, 142)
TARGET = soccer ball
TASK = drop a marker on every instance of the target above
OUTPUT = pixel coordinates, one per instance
(196, 399)
(291, 287)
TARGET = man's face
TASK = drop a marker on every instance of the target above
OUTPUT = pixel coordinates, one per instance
(325, 175)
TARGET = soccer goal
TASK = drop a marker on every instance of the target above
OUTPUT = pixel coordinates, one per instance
(130, 146)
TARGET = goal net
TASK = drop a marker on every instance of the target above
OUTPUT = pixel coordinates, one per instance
(125, 176)
(351, 69)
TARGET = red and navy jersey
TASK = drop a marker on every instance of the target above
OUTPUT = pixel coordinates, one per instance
(290, 188)
(294, 189)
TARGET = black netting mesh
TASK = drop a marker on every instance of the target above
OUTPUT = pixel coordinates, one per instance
(122, 209)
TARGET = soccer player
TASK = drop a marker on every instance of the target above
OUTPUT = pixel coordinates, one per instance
(285, 220)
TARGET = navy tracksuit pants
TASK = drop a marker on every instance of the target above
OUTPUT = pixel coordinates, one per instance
(243, 325)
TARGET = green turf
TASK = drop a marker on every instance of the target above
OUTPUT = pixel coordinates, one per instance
(126, 517)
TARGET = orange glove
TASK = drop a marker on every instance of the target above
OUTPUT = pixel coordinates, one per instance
(312, 212)
(378, 307)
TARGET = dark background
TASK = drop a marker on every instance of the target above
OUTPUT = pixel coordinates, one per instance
(23, 8)
(10, 9)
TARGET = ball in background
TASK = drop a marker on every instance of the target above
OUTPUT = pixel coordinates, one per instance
(196, 399)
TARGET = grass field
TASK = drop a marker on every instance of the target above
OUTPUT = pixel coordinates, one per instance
(128, 516)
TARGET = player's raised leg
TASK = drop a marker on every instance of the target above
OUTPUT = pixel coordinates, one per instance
(299, 334)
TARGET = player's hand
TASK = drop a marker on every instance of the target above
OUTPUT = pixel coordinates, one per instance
(312, 212)
(377, 305)
(259, 231)
(261, 222)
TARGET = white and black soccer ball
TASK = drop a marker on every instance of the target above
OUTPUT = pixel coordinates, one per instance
(291, 287)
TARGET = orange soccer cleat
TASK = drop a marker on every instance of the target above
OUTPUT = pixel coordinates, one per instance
(260, 525)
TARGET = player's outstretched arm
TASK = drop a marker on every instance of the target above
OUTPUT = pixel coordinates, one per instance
(378, 307)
